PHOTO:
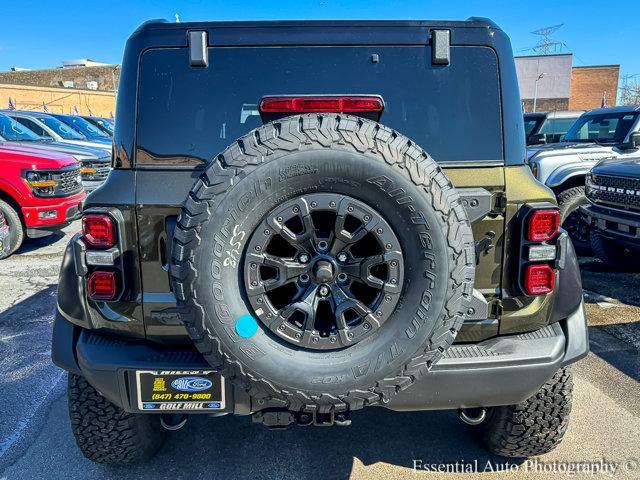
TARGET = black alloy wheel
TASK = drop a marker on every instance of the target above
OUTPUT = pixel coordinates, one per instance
(323, 271)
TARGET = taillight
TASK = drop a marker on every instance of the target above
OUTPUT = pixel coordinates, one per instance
(98, 230)
(543, 225)
(324, 103)
(102, 285)
(539, 279)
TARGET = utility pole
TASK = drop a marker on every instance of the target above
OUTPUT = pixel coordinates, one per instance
(535, 92)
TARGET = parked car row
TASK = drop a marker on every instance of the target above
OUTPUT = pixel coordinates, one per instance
(605, 133)
(49, 164)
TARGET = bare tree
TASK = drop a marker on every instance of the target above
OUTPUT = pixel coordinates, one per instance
(630, 90)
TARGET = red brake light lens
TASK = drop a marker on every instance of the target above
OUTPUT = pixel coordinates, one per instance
(539, 279)
(102, 285)
(543, 225)
(327, 103)
(98, 230)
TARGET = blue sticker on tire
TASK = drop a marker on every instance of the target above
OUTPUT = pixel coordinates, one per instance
(246, 326)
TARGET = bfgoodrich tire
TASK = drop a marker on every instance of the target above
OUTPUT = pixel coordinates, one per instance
(107, 434)
(535, 426)
(323, 170)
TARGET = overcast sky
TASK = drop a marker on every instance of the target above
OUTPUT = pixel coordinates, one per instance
(39, 34)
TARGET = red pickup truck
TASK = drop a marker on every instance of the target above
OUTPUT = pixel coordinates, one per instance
(40, 192)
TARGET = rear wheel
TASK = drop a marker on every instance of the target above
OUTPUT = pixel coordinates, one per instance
(535, 426)
(16, 229)
(569, 203)
(107, 434)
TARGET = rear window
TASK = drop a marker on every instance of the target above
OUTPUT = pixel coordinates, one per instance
(188, 115)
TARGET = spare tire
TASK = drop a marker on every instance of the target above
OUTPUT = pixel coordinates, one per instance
(323, 262)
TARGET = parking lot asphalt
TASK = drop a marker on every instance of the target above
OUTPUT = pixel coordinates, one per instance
(36, 440)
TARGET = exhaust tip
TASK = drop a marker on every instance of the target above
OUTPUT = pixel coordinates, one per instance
(173, 422)
(472, 416)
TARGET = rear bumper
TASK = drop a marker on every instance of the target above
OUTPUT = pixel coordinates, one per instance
(502, 371)
(58, 213)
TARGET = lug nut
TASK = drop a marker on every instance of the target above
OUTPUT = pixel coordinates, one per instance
(304, 258)
(322, 245)
(342, 257)
(324, 290)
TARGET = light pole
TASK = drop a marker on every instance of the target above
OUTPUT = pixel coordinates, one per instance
(535, 92)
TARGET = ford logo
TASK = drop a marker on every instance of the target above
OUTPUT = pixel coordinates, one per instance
(191, 384)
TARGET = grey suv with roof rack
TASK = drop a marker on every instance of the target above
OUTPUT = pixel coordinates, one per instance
(274, 242)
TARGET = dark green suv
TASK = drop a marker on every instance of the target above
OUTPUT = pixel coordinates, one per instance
(309, 218)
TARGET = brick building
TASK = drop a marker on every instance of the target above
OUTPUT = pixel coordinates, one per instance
(589, 84)
(561, 86)
(84, 85)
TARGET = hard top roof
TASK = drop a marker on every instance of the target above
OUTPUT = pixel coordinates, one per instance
(471, 22)
(619, 109)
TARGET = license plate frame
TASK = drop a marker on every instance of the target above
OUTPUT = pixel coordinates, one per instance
(179, 390)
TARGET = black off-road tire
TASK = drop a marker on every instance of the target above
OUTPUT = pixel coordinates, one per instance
(107, 434)
(340, 153)
(535, 426)
(16, 229)
(569, 201)
(614, 254)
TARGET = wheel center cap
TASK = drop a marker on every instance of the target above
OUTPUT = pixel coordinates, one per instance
(323, 271)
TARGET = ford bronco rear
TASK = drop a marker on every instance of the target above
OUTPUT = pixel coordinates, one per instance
(309, 218)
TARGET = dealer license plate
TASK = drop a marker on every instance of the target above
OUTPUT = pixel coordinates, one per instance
(193, 390)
